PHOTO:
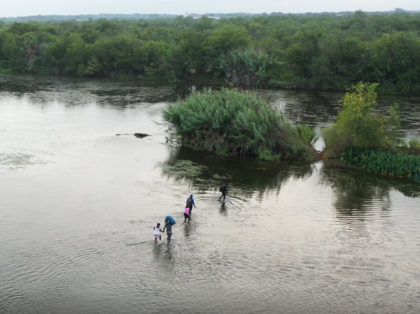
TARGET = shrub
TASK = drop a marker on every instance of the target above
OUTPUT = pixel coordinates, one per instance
(357, 124)
(384, 163)
(5, 71)
(235, 123)
(267, 155)
(414, 147)
(245, 67)
(305, 133)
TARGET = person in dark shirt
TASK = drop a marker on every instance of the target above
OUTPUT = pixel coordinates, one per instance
(224, 190)
(168, 228)
(190, 203)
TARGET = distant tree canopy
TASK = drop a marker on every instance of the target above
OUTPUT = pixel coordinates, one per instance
(313, 51)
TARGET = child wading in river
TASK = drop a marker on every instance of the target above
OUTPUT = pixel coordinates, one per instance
(157, 232)
(187, 212)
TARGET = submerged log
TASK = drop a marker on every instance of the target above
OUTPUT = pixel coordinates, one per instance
(139, 135)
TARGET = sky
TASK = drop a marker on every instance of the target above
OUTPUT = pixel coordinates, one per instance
(12, 8)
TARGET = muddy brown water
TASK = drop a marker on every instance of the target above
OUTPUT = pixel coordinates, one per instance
(77, 207)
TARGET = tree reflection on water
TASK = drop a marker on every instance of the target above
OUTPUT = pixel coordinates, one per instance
(356, 191)
(204, 171)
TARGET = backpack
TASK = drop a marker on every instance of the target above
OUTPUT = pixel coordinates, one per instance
(170, 220)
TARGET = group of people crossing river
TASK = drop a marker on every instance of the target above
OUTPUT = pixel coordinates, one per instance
(170, 221)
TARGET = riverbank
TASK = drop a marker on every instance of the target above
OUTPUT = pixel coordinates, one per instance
(251, 52)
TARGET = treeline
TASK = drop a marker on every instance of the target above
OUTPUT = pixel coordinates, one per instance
(124, 16)
(317, 51)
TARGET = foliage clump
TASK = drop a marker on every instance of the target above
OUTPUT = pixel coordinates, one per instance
(368, 140)
(384, 163)
(302, 51)
(412, 147)
(358, 125)
(245, 67)
(233, 123)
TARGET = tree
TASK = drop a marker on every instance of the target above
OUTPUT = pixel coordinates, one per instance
(76, 56)
(245, 67)
(191, 55)
(397, 61)
(156, 59)
(225, 39)
(357, 124)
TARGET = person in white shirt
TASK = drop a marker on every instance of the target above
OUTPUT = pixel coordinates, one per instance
(157, 232)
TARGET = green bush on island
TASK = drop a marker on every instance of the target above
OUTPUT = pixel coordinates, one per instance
(363, 138)
(234, 123)
(358, 125)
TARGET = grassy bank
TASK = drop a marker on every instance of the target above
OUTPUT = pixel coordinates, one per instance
(384, 163)
(233, 123)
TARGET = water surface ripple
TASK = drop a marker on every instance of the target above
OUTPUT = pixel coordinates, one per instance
(77, 207)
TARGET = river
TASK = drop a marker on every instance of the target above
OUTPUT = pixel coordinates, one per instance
(78, 204)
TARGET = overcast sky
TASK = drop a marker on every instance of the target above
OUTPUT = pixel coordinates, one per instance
(10, 8)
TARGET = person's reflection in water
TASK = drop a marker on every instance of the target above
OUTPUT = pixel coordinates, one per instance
(163, 256)
(157, 250)
(187, 229)
(223, 209)
(168, 253)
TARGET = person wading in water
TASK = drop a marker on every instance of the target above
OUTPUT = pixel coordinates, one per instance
(224, 190)
(190, 204)
(169, 222)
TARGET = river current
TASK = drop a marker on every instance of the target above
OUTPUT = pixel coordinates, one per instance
(78, 204)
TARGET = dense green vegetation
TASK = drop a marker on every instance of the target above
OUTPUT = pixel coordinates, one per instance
(385, 163)
(358, 125)
(310, 51)
(230, 122)
(369, 140)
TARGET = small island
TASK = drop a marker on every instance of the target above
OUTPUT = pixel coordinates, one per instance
(229, 122)
(363, 138)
